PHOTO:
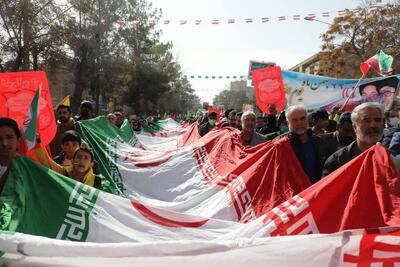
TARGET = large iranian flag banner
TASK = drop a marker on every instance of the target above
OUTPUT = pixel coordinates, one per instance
(205, 197)
(212, 177)
(72, 211)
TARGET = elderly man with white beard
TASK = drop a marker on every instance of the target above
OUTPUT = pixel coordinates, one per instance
(368, 123)
(249, 136)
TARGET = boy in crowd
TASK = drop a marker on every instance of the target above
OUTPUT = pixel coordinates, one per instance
(65, 122)
(9, 143)
(70, 142)
(81, 169)
(320, 119)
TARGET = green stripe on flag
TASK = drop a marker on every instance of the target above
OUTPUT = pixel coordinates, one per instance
(39, 201)
(103, 136)
(31, 120)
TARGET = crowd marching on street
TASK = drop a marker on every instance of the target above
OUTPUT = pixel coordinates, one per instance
(322, 141)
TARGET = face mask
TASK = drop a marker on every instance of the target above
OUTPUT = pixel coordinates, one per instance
(284, 129)
(393, 121)
(211, 122)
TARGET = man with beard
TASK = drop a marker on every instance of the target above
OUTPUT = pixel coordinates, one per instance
(86, 111)
(343, 135)
(65, 122)
(249, 136)
(368, 123)
(311, 151)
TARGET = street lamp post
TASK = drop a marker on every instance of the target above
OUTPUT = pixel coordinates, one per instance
(309, 18)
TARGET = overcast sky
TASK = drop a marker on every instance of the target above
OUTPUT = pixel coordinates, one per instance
(226, 49)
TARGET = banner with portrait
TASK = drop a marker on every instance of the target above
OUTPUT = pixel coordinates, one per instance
(325, 92)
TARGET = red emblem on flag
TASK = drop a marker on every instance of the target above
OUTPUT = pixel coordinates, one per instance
(146, 159)
(162, 220)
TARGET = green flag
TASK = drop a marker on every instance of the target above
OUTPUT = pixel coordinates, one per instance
(39, 201)
(29, 128)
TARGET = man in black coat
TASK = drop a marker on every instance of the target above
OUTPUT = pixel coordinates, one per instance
(343, 135)
(310, 150)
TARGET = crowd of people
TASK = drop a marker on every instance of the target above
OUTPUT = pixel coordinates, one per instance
(321, 141)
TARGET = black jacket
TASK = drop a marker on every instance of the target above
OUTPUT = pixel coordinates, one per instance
(341, 157)
(389, 135)
(321, 151)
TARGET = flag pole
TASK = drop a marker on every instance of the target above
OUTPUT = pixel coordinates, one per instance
(352, 92)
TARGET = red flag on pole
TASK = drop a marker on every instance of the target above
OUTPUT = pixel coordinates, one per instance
(268, 85)
(216, 110)
(17, 90)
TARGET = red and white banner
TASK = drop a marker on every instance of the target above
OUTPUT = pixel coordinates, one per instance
(211, 199)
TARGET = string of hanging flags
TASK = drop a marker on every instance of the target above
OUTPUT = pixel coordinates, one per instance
(311, 16)
(217, 77)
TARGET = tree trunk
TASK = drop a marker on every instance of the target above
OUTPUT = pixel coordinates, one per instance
(18, 60)
(35, 61)
(78, 92)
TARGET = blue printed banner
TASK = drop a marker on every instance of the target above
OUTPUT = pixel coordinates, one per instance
(324, 92)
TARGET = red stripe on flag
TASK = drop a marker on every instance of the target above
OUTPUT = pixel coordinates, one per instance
(282, 18)
(215, 22)
(325, 14)
(311, 16)
(263, 20)
(300, 229)
(249, 20)
(151, 162)
(162, 220)
(230, 21)
(296, 17)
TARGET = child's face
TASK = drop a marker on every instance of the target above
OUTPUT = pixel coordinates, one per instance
(82, 162)
(69, 148)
